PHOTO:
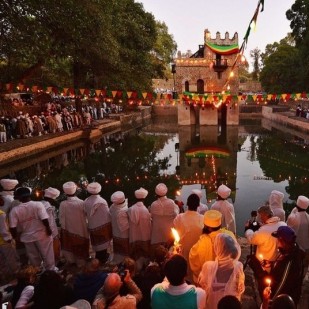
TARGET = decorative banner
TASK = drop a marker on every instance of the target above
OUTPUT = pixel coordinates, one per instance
(97, 92)
(65, 91)
(34, 88)
(144, 94)
(129, 93)
(114, 93)
(49, 89)
(82, 91)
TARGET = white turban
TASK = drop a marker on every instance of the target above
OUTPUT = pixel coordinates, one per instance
(161, 189)
(224, 191)
(51, 193)
(94, 188)
(8, 184)
(69, 187)
(141, 193)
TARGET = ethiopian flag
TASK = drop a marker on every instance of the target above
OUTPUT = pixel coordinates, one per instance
(223, 49)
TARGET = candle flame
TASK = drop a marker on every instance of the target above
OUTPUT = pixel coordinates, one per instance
(268, 281)
(176, 236)
(261, 256)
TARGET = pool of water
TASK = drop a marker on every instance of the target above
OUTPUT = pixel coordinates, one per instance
(251, 159)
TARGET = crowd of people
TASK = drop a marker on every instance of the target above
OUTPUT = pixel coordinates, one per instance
(55, 118)
(127, 257)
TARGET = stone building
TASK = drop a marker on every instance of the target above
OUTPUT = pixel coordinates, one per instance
(212, 70)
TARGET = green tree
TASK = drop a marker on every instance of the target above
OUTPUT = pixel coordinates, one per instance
(298, 16)
(95, 43)
(281, 68)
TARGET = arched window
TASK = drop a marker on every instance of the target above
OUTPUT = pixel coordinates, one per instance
(200, 86)
(187, 86)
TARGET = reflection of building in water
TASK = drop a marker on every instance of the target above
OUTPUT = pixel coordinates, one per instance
(208, 156)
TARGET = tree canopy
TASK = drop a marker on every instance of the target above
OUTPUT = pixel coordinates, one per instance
(95, 43)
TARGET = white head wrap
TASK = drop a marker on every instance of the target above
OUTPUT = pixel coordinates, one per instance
(141, 193)
(224, 191)
(8, 184)
(302, 202)
(69, 187)
(161, 189)
(51, 193)
(94, 188)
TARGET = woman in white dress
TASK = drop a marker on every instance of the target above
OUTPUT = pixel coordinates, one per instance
(225, 275)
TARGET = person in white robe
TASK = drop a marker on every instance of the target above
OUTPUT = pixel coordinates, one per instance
(7, 193)
(99, 222)
(226, 208)
(120, 226)
(74, 232)
(52, 193)
(202, 208)
(276, 204)
(225, 275)
(163, 212)
(139, 226)
(298, 220)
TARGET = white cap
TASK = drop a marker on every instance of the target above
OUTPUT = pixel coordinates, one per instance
(94, 188)
(51, 193)
(8, 184)
(198, 192)
(302, 202)
(161, 189)
(141, 193)
(69, 187)
(118, 197)
(224, 191)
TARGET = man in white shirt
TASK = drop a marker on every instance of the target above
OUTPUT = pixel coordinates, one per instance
(266, 250)
(31, 220)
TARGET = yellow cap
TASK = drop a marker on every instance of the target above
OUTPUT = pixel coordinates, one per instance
(212, 218)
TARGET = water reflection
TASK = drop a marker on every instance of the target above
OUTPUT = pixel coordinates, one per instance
(251, 160)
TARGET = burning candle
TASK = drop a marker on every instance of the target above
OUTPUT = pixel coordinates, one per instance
(176, 248)
(261, 257)
(268, 281)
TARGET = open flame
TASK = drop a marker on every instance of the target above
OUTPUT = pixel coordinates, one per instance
(176, 236)
(268, 281)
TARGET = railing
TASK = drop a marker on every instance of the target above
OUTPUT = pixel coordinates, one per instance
(219, 65)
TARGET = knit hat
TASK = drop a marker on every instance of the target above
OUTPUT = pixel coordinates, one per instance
(94, 188)
(224, 191)
(8, 184)
(212, 218)
(69, 187)
(141, 193)
(161, 189)
(302, 202)
(118, 197)
(51, 193)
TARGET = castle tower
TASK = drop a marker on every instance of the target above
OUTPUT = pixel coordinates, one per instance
(208, 71)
